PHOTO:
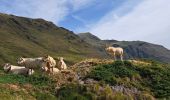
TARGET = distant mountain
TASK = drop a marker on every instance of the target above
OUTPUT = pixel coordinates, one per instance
(133, 49)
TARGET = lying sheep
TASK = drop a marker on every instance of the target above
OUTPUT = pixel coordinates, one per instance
(55, 70)
(31, 63)
(8, 68)
(50, 62)
(61, 64)
(115, 51)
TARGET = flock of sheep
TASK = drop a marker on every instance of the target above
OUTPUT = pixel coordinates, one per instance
(26, 66)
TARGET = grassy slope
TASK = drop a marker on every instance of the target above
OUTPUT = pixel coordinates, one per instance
(36, 37)
(151, 78)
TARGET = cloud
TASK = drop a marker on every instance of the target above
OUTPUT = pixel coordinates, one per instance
(51, 10)
(147, 21)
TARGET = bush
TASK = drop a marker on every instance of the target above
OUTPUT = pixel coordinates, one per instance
(110, 72)
(154, 78)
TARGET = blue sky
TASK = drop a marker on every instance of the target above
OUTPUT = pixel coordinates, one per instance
(145, 20)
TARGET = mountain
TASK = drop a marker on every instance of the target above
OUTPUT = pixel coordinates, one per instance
(133, 49)
(20, 36)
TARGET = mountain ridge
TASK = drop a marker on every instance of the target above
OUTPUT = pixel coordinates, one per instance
(133, 49)
(20, 36)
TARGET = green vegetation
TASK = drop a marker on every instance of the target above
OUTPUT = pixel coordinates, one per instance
(150, 78)
(153, 78)
(35, 87)
(81, 92)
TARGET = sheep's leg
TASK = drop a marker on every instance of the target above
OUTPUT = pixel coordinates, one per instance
(114, 56)
(121, 57)
(52, 70)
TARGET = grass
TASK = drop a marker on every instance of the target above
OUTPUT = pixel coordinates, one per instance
(35, 87)
(152, 78)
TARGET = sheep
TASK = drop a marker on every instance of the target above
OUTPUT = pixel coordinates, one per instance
(61, 64)
(50, 62)
(115, 51)
(31, 63)
(55, 70)
(20, 70)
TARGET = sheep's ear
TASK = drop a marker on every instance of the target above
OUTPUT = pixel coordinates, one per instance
(6, 64)
(20, 57)
(46, 56)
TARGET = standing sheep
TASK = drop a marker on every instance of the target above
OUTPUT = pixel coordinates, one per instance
(50, 62)
(31, 63)
(61, 64)
(115, 51)
(8, 68)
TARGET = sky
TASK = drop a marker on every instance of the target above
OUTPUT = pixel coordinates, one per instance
(129, 20)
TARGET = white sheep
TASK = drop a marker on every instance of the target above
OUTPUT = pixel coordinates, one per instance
(8, 68)
(61, 64)
(55, 70)
(50, 62)
(115, 51)
(31, 63)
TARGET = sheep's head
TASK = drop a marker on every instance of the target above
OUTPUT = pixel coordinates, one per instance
(20, 61)
(46, 58)
(107, 49)
(7, 66)
(61, 58)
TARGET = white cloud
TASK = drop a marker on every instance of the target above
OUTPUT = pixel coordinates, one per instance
(148, 21)
(51, 10)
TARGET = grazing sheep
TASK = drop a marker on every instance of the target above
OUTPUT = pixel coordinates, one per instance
(50, 62)
(61, 64)
(31, 63)
(115, 51)
(8, 68)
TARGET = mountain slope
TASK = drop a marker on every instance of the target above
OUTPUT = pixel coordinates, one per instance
(133, 49)
(27, 37)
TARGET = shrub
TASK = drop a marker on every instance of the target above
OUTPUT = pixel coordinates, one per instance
(154, 77)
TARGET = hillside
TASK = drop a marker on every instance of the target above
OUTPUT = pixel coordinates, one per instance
(92, 79)
(28, 37)
(133, 49)
(20, 36)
